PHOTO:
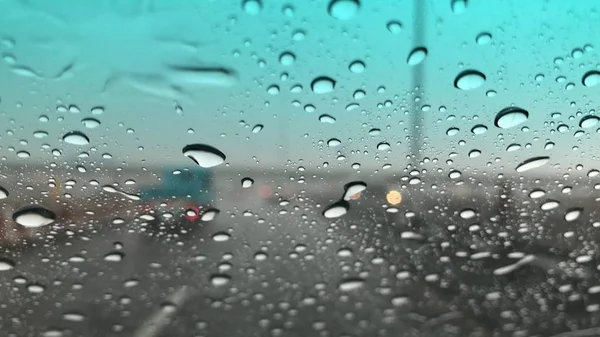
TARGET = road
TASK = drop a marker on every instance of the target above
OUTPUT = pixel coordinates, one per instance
(285, 270)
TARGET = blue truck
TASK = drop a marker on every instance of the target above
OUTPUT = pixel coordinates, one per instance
(186, 193)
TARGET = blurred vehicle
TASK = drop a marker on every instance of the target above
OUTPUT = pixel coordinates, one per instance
(181, 194)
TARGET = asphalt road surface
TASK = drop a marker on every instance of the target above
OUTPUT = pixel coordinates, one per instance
(285, 270)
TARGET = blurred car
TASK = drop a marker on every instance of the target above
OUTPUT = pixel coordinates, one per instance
(181, 194)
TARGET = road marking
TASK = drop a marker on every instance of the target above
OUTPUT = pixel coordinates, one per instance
(158, 320)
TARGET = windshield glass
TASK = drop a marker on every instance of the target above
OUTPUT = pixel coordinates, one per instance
(321, 168)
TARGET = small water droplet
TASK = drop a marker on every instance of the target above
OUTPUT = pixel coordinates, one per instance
(483, 39)
(452, 131)
(36, 288)
(588, 121)
(353, 188)
(537, 193)
(394, 27)
(336, 210)
(114, 257)
(591, 78)
(467, 213)
(287, 58)
(247, 182)
(97, 110)
(322, 85)
(252, 7)
(479, 129)
(33, 216)
(459, 6)
(90, 123)
(344, 252)
(416, 56)
(469, 80)
(257, 128)
(573, 214)
(327, 119)
(333, 142)
(210, 214)
(549, 205)
(6, 264)
(219, 280)
(357, 67)
(76, 138)
(532, 163)
(510, 117)
(73, 317)
(3, 193)
(351, 284)
(474, 153)
(204, 155)
(221, 237)
(343, 9)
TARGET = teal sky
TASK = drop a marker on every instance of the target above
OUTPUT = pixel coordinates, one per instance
(128, 56)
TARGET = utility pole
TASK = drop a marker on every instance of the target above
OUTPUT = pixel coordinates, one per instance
(418, 76)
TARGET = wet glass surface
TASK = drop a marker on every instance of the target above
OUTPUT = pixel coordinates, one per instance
(299, 168)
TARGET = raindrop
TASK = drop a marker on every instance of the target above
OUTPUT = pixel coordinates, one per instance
(351, 284)
(43, 118)
(459, 6)
(327, 119)
(3, 193)
(452, 131)
(510, 117)
(383, 146)
(221, 237)
(287, 58)
(343, 9)
(114, 257)
(467, 213)
(353, 188)
(90, 123)
(6, 264)
(588, 121)
(344, 252)
(73, 317)
(252, 7)
(333, 142)
(469, 80)
(36, 288)
(474, 153)
(273, 90)
(257, 128)
(394, 27)
(247, 182)
(33, 216)
(336, 209)
(483, 39)
(204, 155)
(400, 301)
(513, 147)
(532, 163)
(210, 214)
(454, 174)
(591, 78)
(573, 214)
(40, 134)
(322, 85)
(416, 56)
(23, 154)
(98, 110)
(537, 193)
(549, 205)
(76, 138)
(479, 129)
(357, 67)
(260, 256)
(219, 280)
